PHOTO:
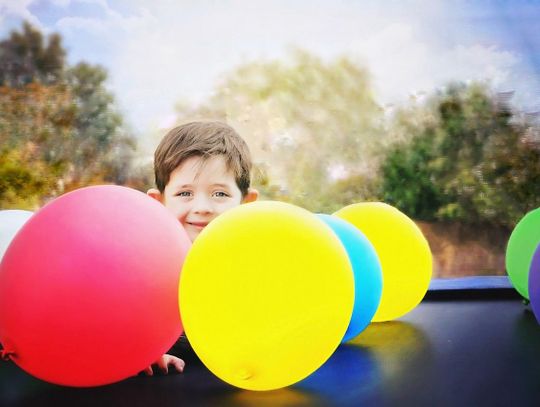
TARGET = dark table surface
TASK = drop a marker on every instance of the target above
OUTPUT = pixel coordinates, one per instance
(469, 343)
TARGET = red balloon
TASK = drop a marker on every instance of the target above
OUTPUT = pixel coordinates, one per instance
(89, 287)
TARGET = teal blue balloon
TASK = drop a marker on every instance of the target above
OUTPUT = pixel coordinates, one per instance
(367, 273)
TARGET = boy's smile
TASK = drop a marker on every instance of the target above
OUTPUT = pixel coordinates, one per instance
(198, 224)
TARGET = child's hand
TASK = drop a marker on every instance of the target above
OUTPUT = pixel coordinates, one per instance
(164, 362)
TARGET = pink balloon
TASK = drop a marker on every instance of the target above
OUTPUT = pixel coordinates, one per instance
(89, 287)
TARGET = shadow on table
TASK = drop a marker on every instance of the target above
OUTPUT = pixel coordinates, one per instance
(356, 374)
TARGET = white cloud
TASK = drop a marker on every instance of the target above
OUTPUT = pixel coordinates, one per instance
(160, 52)
(112, 26)
(402, 64)
(179, 51)
(61, 3)
(19, 9)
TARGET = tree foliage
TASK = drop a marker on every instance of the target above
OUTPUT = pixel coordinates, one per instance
(312, 126)
(26, 57)
(35, 128)
(59, 128)
(469, 159)
(103, 149)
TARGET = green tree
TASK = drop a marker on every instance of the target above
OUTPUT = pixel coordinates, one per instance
(26, 57)
(59, 122)
(312, 126)
(101, 147)
(468, 159)
(36, 124)
(407, 177)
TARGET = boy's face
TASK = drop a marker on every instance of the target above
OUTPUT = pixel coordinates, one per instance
(198, 191)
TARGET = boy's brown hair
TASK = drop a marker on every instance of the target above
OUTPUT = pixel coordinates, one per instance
(203, 139)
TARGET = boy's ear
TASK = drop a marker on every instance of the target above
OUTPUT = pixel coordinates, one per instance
(251, 195)
(154, 193)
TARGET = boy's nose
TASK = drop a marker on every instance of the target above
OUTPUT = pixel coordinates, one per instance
(202, 205)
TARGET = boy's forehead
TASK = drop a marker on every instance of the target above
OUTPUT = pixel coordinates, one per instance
(196, 168)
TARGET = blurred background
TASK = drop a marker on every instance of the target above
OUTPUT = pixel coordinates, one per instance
(430, 106)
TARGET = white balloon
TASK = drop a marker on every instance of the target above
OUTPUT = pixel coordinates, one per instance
(10, 222)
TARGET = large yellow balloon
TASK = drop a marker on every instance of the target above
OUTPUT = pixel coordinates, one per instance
(266, 295)
(404, 253)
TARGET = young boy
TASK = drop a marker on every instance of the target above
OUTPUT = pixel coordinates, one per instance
(202, 169)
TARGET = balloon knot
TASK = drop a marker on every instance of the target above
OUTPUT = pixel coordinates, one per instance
(244, 374)
(5, 354)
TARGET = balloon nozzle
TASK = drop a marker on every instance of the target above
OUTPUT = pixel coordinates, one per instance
(5, 354)
(244, 374)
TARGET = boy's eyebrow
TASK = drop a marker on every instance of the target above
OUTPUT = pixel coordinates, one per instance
(183, 186)
(217, 184)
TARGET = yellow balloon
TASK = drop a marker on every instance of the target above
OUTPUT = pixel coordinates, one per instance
(266, 295)
(404, 253)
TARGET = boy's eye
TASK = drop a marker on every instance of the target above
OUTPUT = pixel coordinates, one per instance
(220, 194)
(184, 193)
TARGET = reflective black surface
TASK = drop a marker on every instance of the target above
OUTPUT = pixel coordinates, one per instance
(472, 348)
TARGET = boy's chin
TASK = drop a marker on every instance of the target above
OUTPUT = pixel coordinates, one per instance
(192, 231)
(192, 234)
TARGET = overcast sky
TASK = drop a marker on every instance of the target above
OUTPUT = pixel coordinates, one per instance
(159, 52)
